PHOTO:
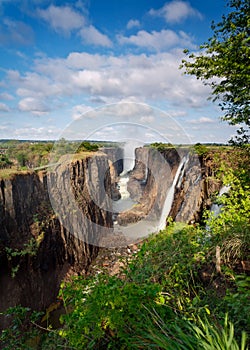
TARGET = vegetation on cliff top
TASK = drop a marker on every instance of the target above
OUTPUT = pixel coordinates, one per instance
(19, 157)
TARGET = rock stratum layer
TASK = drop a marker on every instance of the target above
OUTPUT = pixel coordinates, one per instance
(37, 246)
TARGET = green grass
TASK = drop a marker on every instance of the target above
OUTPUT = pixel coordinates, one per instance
(9, 173)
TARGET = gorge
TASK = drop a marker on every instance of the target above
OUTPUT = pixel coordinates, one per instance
(54, 222)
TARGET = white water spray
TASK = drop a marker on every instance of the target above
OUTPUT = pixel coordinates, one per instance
(216, 208)
(170, 195)
(128, 164)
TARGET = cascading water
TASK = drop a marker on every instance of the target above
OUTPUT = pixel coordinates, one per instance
(216, 208)
(143, 228)
(170, 195)
(125, 202)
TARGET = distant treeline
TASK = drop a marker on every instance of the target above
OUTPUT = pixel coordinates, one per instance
(32, 154)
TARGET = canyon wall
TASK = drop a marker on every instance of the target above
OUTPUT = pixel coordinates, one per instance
(37, 250)
(195, 190)
(151, 180)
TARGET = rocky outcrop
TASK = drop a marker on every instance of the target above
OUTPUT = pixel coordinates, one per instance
(42, 244)
(149, 182)
(195, 190)
(115, 157)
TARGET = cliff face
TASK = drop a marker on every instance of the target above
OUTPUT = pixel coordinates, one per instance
(37, 250)
(196, 187)
(151, 180)
(115, 156)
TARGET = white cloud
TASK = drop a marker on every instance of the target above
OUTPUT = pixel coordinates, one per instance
(32, 105)
(147, 119)
(6, 96)
(37, 133)
(177, 113)
(15, 32)
(154, 77)
(158, 41)
(132, 23)
(62, 18)
(202, 120)
(4, 107)
(84, 60)
(176, 11)
(91, 35)
(79, 111)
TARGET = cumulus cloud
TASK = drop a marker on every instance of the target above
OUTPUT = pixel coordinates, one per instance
(176, 11)
(79, 111)
(147, 119)
(37, 133)
(6, 96)
(154, 77)
(62, 18)
(32, 105)
(4, 107)
(15, 32)
(91, 35)
(158, 41)
(132, 23)
(202, 120)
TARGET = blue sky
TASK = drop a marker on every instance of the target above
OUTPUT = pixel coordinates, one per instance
(61, 59)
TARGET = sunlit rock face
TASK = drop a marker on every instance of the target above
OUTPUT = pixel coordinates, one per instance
(151, 179)
(28, 222)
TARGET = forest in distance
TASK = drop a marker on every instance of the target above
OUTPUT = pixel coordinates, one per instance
(29, 154)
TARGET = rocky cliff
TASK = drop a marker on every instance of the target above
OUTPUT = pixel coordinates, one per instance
(115, 156)
(151, 180)
(40, 246)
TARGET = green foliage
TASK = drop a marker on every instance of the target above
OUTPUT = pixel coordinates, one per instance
(30, 248)
(108, 313)
(226, 56)
(161, 146)
(19, 334)
(4, 161)
(237, 302)
(172, 258)
(211, 337)
(203, 335)
(27, 154)
(200, 149)
(231, 228)
(88, 146)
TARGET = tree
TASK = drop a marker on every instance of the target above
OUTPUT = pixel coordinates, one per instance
(224, 63)
(4, 161)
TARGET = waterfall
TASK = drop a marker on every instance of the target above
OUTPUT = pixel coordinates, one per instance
(216, 208)
(128, 164)
(123, 187)
(129, 156)
(170, 195)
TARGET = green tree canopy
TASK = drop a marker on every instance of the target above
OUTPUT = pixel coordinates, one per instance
(224, 63)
